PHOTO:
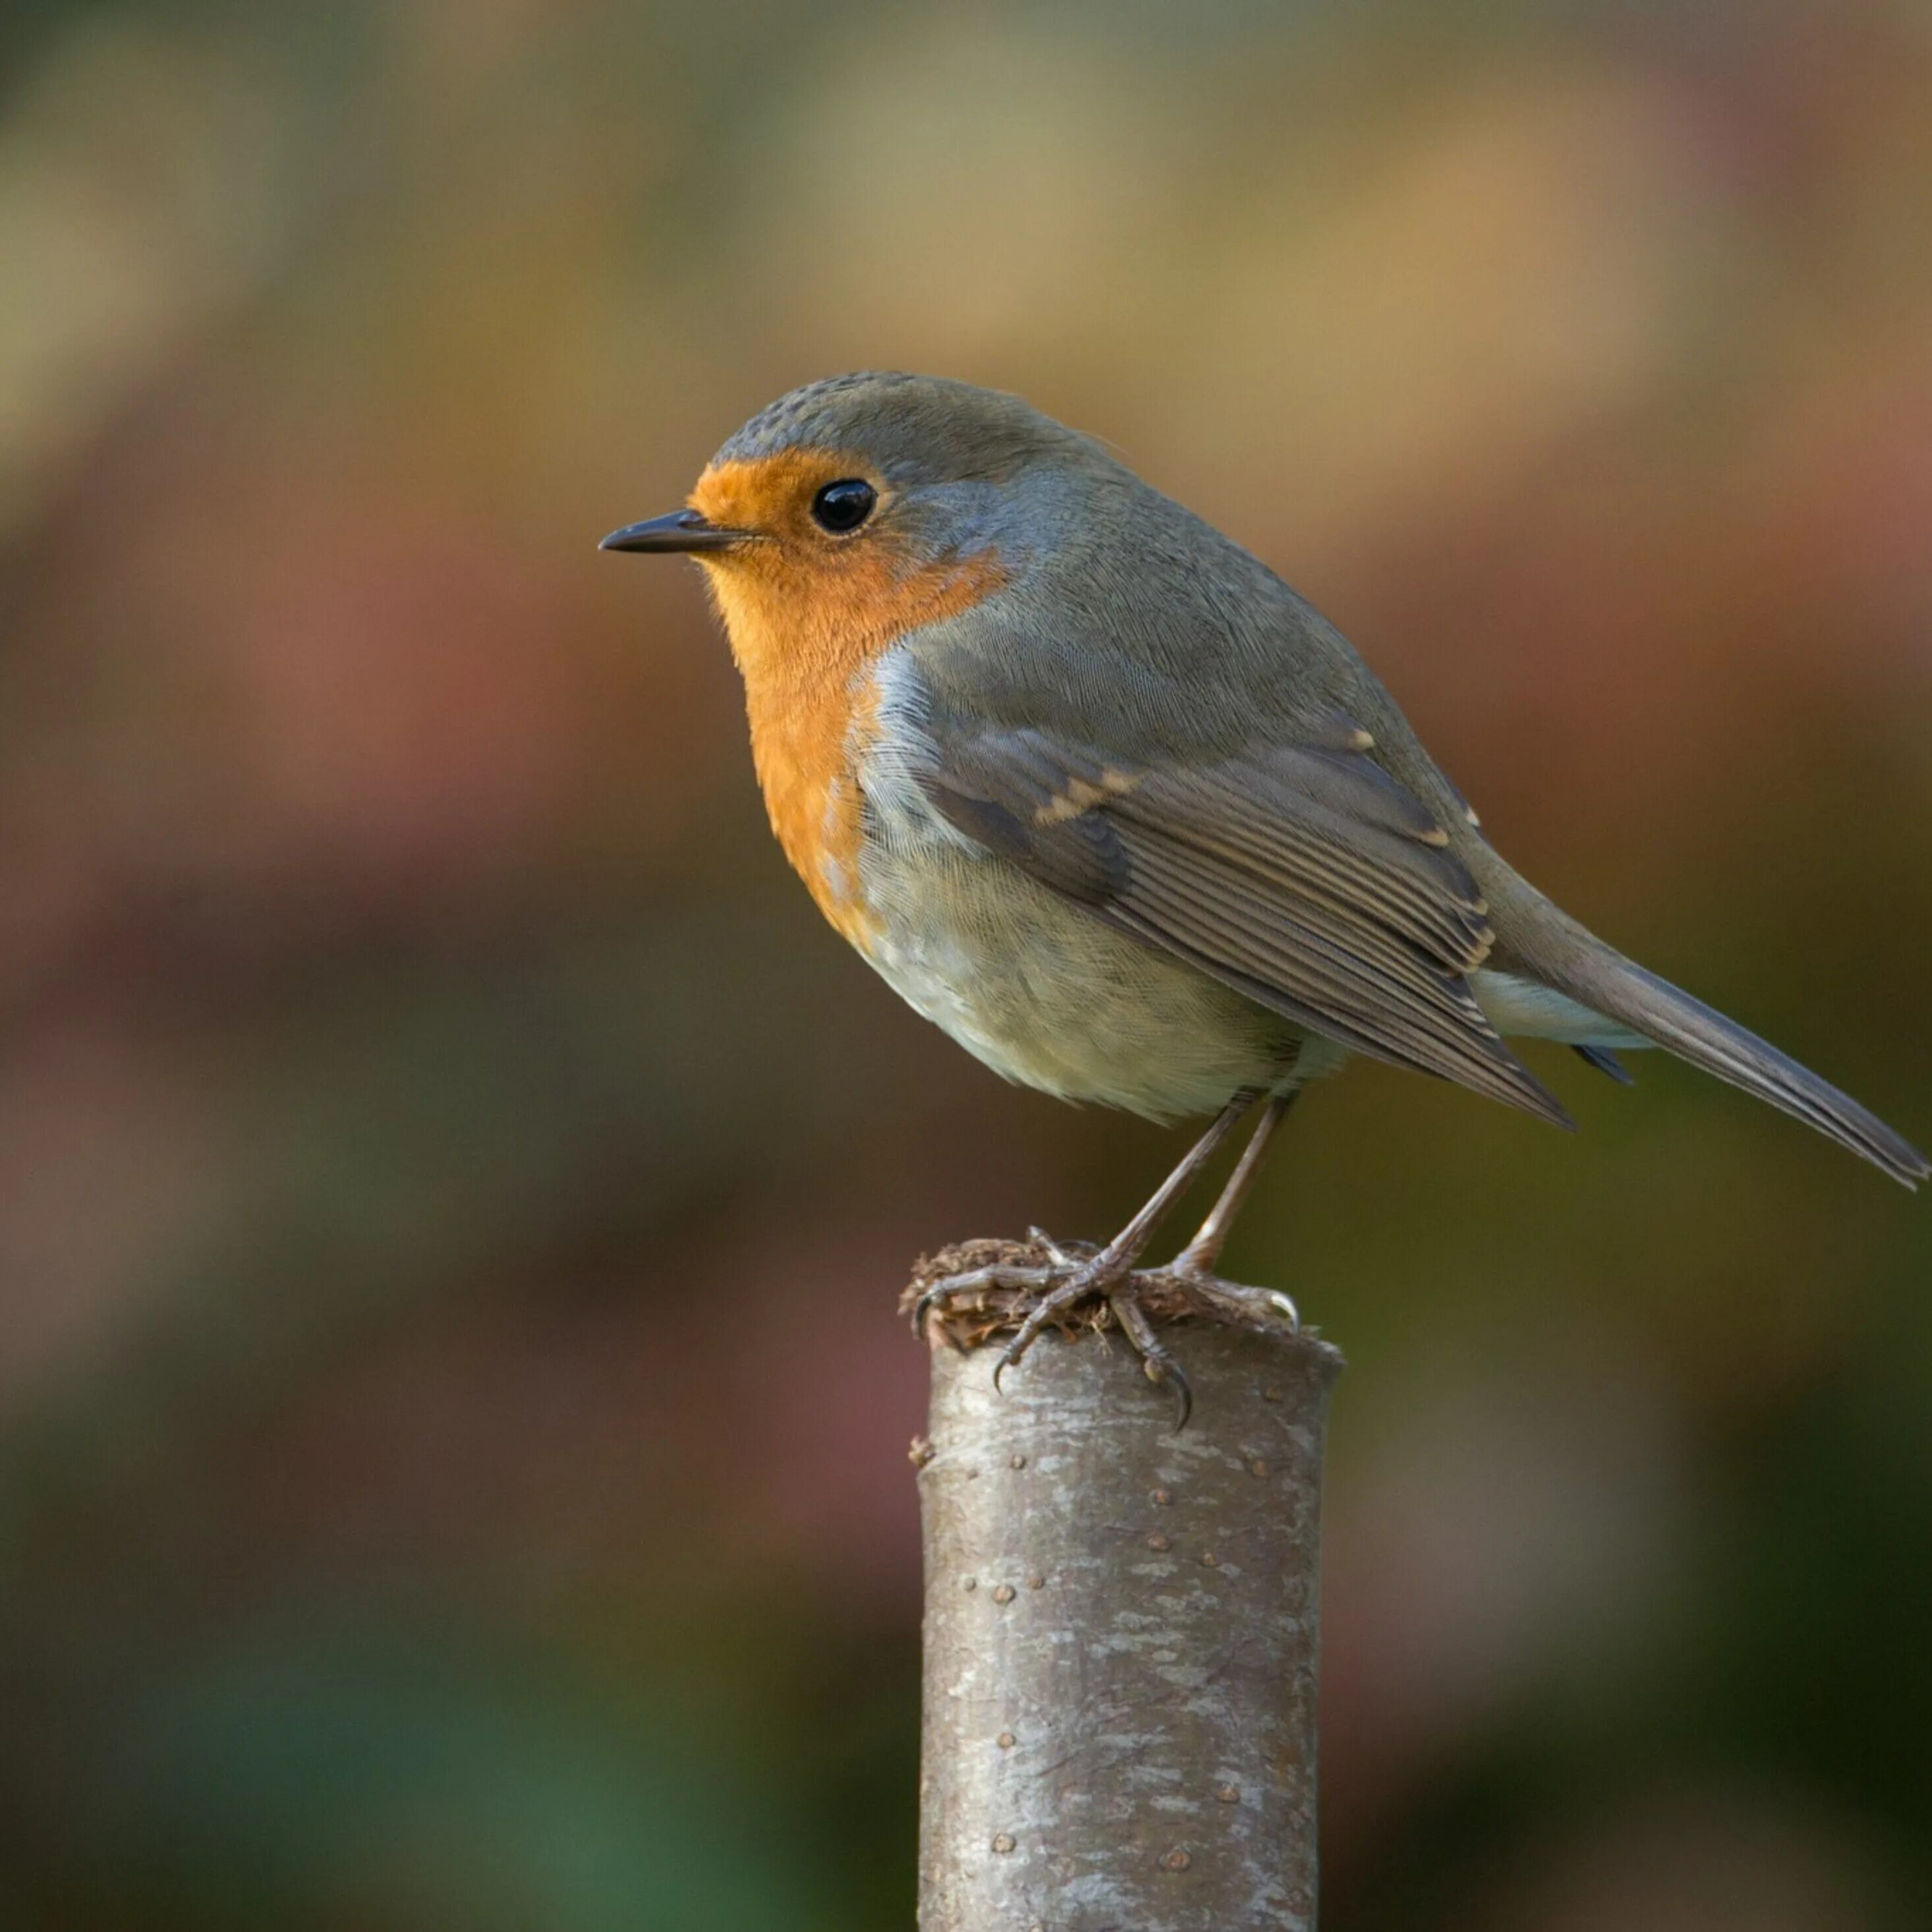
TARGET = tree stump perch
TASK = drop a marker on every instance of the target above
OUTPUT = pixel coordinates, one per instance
(1121, 1626)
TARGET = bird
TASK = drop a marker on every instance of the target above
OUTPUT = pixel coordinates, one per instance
(1093, 788)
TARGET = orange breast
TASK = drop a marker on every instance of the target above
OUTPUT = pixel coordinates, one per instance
(807, 621)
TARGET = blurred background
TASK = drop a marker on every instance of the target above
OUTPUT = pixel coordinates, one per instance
(453, 1188)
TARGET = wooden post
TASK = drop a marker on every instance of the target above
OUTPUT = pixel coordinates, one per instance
(1121, 1627)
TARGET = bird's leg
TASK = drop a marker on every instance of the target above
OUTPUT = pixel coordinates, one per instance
(1100, 1273)
(1201, 1254)
(1196, 1262)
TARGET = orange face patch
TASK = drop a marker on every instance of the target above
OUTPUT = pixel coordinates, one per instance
(807, 614)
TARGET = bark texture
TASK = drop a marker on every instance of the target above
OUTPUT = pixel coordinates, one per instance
(1121, 1635)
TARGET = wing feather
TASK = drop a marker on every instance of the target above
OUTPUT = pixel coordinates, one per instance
(1302, 875)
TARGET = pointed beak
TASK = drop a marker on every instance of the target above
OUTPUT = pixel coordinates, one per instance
(682, 530)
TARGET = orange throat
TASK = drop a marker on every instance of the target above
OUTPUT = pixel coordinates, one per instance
(807, 638)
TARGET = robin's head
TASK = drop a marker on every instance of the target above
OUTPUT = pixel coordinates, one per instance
(866, 503)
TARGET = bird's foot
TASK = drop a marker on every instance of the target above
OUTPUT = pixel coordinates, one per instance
(1048, 1284)
(1235, 1299)
(1105, 1280)
(988, 1287)
(1094, 1275)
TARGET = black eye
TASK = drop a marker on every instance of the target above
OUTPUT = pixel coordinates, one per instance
(841, 507)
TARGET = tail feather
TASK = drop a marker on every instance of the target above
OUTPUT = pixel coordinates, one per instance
(1602, 978)
(1604, 1061)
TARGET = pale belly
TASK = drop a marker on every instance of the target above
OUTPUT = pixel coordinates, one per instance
(1048, 995)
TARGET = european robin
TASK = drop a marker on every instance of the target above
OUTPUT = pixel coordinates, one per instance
(1097, 791)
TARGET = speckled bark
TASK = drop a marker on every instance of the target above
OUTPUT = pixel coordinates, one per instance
(1121, 1638)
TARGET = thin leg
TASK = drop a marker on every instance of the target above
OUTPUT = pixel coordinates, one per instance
(1202, 1254)
(1098, 1275)
(1124, 1249)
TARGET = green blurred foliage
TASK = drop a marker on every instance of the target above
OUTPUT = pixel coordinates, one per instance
(451, 1420)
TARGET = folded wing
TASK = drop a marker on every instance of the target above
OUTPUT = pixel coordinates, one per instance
(1302, 875)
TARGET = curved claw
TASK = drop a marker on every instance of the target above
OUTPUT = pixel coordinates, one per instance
(1271, 1301)
(1163, 1370)
(1015, 1351)
(1183, 1396)
(1157, 1364)
(934, 1296)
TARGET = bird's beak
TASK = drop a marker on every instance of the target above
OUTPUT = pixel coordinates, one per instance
(682, 530)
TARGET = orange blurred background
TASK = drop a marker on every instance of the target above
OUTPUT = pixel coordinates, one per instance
(452, 1418)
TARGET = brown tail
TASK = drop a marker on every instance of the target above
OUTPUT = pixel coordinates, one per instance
(1554, 948)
